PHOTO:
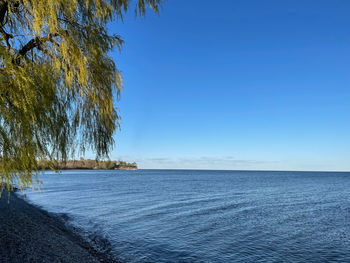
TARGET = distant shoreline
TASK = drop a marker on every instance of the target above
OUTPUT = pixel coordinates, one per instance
(31, 234)
(87, 164)
(93, 169)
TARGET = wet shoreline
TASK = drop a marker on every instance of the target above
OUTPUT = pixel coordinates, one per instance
(31, 234)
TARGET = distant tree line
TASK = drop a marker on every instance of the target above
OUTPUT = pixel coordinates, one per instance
(89, 164)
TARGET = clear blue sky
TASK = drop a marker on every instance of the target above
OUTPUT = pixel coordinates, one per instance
(248, 84)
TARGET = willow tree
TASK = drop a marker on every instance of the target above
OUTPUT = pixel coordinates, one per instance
(58, 83)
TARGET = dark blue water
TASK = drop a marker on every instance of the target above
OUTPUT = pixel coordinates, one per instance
(208, 216)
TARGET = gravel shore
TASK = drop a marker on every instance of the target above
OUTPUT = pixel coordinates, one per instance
(30, 234)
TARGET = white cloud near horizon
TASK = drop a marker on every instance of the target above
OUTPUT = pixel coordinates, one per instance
(203, 162)
(228, 163)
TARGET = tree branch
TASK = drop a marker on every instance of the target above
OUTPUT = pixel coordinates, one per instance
(3, 10)
(36, 43)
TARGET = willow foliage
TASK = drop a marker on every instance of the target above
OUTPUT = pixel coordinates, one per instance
(58, 84)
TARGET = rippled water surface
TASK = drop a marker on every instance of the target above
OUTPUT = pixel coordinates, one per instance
(208, 216)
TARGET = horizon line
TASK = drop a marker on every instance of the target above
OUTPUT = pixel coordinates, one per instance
(247, 170)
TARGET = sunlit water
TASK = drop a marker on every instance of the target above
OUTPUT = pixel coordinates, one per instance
(208, 216)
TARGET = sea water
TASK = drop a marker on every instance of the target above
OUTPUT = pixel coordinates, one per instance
(207, 216)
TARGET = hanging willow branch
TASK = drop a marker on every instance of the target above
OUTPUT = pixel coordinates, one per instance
(58, 84)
